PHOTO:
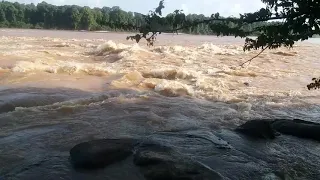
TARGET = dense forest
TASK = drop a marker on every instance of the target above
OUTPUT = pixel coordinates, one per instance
(47, 16)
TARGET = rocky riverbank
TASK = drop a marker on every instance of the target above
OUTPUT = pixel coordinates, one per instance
(250, 152)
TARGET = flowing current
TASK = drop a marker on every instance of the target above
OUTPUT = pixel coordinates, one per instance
(59, 88)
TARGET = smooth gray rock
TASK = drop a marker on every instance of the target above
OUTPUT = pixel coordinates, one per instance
(100, 153)
(161, 163)
(258, 129)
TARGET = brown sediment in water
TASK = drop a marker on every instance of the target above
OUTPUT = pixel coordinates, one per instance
(194, 68)
(99, 85)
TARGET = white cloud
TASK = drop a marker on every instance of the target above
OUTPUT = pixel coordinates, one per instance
(185, 9)
(236, 8)
(98, 3)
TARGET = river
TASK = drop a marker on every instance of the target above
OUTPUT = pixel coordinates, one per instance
(60, 88)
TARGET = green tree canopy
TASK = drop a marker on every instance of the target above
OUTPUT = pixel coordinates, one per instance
(75, 17)
(49, 16)
(87, 20)
(11, 13)
(2, 15)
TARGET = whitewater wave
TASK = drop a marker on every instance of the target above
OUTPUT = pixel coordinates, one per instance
(204, 48)
(167, 87)
(88, 45)
(65, 44)
(170, 74)
(26, 100)
(209, 47)
(169, 49)
(108, 48)
(176, 82)
(202, 71)
(131, 79)
(67, 105)
(113, 52)
(281, 53)
(56, 67)
(173, 88)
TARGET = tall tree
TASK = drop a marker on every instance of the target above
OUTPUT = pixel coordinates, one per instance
(118, 18)
(87, 19)
(98, 16)
(49, 17)
(11, 13)
(42, 10)
(2, 14)
(20, 11)
(76, 17)
(30, 13)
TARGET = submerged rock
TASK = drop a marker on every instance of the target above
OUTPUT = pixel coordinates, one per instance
(304, 122)
(298, 128)
(258, 129)
(269, 129)
(100, 153)
(6, 107)
(159, 162)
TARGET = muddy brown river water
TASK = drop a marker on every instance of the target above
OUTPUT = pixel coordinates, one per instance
(59, 88)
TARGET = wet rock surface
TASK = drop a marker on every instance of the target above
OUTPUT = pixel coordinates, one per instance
(6, 107)
(172, 155)
(100, 153)
(160, 162)
(199, 153)
(298, 128)
(258, 129)
(269, 129)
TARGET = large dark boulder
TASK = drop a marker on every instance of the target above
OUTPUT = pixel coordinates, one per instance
(269, 129)
(100, 153)
(301, 121)
(164, 163)
(6, 107)
(298, 128)
(260, 129)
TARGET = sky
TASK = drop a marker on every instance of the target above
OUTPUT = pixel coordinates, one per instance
(206, 7)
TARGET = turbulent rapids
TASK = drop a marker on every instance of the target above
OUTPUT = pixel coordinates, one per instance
(61, 88)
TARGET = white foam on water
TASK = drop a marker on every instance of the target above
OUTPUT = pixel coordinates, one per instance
(209, 47)
(88, 45)
(206, 71)
(63, 67)
(171, 73)
(109, 47)
(65, 44)
(173, 88)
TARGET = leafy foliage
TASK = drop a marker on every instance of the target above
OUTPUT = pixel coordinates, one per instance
(315, 84)
(86, 21)
(2, 15)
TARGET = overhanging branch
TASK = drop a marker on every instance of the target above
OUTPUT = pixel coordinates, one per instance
(249, 61)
